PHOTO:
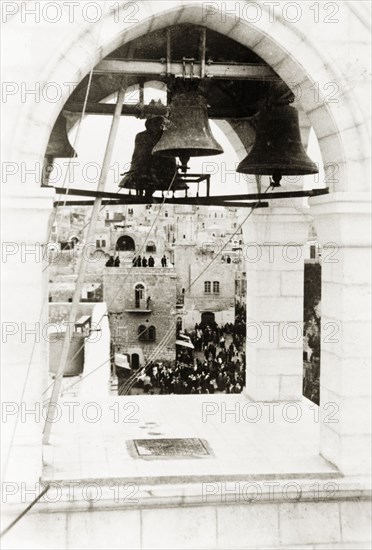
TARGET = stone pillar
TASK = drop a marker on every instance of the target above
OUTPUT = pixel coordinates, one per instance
(343, 224)
(274, 259)
(25, 214)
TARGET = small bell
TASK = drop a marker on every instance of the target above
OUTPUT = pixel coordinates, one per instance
(188, 133)
(278, 150)
(59, 145)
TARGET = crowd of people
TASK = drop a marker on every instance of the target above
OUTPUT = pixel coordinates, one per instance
(138, 261)
(211, 337)
(142, 261)
(113, 262)
(218, 365)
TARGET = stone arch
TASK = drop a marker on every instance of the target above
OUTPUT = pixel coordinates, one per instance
(295, 54)
(125, 243)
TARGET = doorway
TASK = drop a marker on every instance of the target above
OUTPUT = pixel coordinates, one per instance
(207, 318)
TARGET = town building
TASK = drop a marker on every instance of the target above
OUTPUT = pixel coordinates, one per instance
(141, 304)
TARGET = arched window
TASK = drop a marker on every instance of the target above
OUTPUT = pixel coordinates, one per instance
(207, 287)
(216, 287)
(139, 295)
(142, 332)
(125, 243)
(151, 334)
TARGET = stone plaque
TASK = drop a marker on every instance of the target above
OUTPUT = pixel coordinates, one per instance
(175, 448)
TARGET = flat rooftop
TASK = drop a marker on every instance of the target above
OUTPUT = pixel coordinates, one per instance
(245, 439)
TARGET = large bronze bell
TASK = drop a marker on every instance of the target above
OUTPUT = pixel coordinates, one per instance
(59, 145)
(188, 133)
(278, 150)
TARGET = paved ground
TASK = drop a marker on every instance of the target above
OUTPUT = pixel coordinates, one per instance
(243, 438)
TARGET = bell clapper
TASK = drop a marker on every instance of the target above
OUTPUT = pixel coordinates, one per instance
(184, 158)
(275, 180)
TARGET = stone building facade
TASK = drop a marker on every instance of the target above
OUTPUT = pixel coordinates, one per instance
(142, 305)
(211, 295)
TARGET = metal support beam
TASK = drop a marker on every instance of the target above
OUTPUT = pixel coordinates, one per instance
(142, 111)
(214, 201)
(153, 68)
(265, 196)
(133, 199)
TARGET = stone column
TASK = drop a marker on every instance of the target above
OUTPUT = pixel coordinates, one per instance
(274, 259)
(25, 214)
(343, 224)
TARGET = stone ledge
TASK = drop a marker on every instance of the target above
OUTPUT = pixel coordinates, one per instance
(231, 490)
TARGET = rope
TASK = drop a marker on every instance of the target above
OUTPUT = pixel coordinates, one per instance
(25, 511)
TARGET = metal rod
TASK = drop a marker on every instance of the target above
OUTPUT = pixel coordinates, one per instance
(202, 51)
(190, 200)
(273, 195)
(141, 92)
(168, 51)
(82, 266)
(141, 111)
(25, 511)
(86, 203)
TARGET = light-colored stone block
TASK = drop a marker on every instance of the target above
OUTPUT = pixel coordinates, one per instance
(279, 308)
(179, 527)
(335, 375)
(292, 284)
(101, 529)
(262, 387)
(267, 360)
(36, 532)
(356, 521)
(249, 526)
(264, 283)
(262, 335)
(290, 387)
(352, 302)
(309, 523)
(350, 453)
